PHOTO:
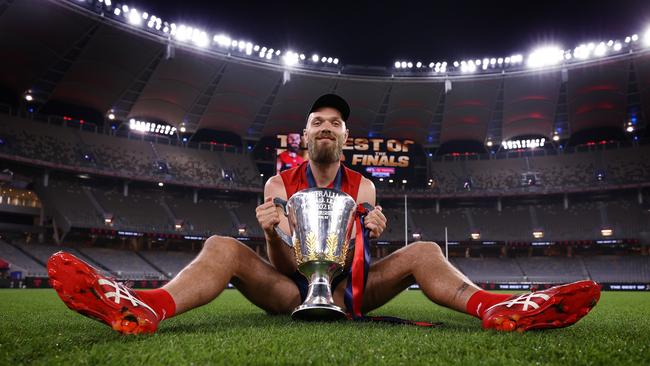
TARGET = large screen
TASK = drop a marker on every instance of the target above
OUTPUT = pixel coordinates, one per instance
(378, 156)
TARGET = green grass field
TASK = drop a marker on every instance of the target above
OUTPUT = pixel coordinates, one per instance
(37, 328)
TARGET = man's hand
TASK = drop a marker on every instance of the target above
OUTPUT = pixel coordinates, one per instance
(375, 221)
(268, 216)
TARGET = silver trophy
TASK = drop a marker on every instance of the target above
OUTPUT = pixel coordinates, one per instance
(321, 221)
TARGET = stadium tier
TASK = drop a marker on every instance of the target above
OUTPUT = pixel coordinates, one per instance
(88, 204)
(538, 173)
(70, 148)
(75, 149)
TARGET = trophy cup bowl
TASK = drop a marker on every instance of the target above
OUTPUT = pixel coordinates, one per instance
(321, 221)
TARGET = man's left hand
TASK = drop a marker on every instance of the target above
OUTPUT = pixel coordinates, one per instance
(375, 221)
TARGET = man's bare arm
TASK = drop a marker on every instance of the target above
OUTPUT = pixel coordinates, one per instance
(375, 220)
(366, 192)
(280, 255)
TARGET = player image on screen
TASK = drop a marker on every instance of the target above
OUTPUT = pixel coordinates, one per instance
(292, 156)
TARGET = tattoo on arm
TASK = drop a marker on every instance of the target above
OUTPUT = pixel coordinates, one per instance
(460, 290)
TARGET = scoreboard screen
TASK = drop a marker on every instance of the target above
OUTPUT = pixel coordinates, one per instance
(380, 157)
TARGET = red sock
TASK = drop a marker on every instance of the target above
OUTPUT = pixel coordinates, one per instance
(482, 300)
(160, 301)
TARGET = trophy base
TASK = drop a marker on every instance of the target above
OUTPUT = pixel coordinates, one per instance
(321, 312)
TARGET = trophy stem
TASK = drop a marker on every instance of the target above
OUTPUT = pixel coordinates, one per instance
(319, 304)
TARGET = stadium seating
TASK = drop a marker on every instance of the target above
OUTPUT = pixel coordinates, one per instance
(20, 261)
(125, 157)
(137, 157)
(489, 269)
(516, 222)
(37, 140)
(148, 210)
(552, 269)
(129, 157)
(157, 210)
(602, 268)
(552, 172)
(618, 269)
(122, 263)
(170, 262)
(245, 214)
(137, 212)
(69, 199)
(207, 216)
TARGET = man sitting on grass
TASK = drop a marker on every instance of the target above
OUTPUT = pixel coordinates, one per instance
(277, 287)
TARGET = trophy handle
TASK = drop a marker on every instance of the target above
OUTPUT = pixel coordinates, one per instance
(279, 202)
(367, 206)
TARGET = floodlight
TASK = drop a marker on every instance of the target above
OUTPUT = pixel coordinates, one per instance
(600, 50)
(545, 56)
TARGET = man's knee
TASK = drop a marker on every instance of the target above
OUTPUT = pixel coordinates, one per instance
(222, 245)
(425, 249)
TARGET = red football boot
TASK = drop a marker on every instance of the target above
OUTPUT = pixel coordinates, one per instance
(87, 292)
(556, 307)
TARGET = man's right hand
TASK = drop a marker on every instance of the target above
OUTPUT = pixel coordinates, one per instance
(268, 216)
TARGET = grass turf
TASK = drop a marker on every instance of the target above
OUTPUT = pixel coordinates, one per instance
(37, 328)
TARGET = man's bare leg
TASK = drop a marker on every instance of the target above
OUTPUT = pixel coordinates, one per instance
(223, 260)
(422, 263)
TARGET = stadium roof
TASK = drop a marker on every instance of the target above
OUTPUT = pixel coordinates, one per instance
(75, 57)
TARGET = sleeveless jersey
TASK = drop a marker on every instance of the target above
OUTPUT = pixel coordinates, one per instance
(295, 179)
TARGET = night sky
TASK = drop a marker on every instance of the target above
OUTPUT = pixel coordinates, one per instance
(377, 33)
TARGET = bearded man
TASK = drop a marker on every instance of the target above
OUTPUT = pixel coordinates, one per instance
(277, 287)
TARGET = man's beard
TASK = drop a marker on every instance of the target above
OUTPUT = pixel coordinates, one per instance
(325, 154)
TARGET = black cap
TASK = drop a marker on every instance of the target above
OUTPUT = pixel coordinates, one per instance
(332, 101)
